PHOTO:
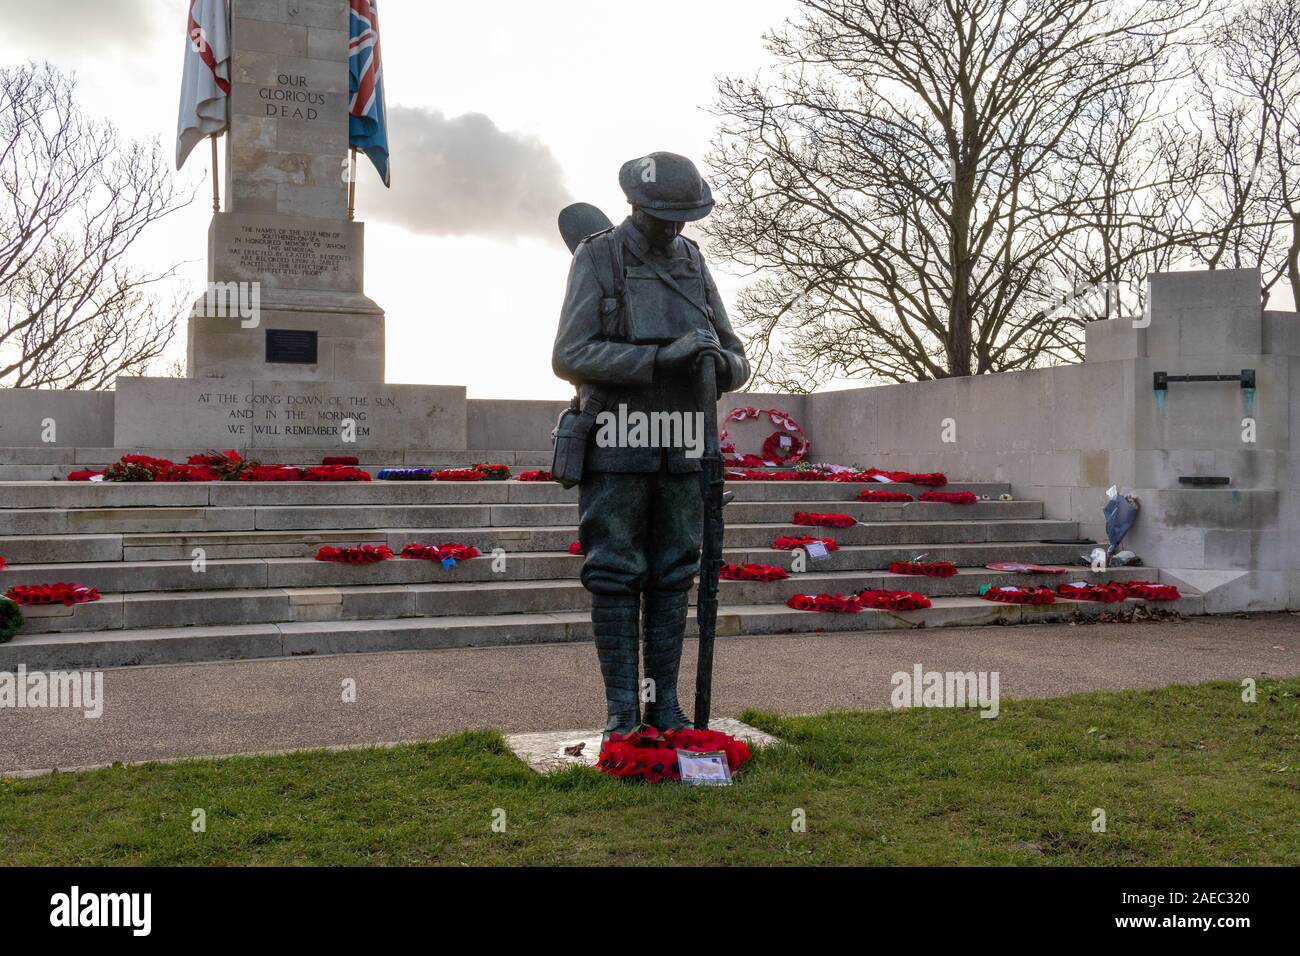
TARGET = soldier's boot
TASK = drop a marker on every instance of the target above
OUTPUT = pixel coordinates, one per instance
(614, 622)
(664, 629)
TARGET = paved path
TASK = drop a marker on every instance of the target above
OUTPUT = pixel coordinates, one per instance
(264, 705)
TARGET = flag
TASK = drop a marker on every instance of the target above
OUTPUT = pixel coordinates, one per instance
(368, 120)
(205, 87)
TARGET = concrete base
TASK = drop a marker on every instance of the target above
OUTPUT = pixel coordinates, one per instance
(545, 752)
(1228, 591)
(239, 413)
(225, 342)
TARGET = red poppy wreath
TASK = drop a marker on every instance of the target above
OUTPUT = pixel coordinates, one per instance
(651, 755)
(786, 445)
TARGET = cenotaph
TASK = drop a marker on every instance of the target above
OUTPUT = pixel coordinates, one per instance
(284, 348)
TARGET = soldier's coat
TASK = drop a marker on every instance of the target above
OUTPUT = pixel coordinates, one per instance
(623, 363)
(640, 509)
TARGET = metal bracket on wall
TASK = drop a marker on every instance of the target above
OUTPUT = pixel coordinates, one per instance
(1246, 377)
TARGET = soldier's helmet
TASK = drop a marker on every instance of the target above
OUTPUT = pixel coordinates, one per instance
(667, 186)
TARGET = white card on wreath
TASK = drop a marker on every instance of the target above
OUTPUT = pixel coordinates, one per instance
(704, 769)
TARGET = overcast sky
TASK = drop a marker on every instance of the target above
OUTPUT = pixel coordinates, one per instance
(500, 113)
(466, 263)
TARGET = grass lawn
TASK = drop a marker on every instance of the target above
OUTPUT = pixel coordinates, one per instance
(1185, 775)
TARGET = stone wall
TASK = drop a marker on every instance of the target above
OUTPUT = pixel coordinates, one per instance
(79, 419)
(1066, 434)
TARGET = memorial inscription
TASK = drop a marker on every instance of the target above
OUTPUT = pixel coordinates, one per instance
(288, 414)
(291, 252)
(291, 98)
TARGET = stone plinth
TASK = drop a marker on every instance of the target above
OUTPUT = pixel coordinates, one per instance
(242, 413)
(348, 329)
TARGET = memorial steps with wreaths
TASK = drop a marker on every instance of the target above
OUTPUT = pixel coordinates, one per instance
(262, 593)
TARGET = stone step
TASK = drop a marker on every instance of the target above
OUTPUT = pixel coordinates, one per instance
(127, 647)
(801, 495)
(33, 473)
(181, 546)
(56, 521)
(367, 601)
(305, 572)
(87, 457)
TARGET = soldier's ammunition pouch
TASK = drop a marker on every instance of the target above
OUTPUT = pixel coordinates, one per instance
(570, 436)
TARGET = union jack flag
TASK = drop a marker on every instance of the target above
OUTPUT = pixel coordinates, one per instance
(368, 122)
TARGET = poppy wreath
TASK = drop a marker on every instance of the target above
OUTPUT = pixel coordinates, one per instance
(11, 619)
(406, 474)
(575, 547)
(60, 593)
(773, 453)
(950, 497)
(651, 755)
(1105, 593)
(3, 563)
(272, 473)
(819, 470)
(802, 541)
(352, 460)
(178, 473)
(227, 465)
(1020, 594)
(459, 474)
(825, 603)
(885, 600)
(768, 476)
(439, 552)
(823, 520)
(867, 494)
(752, 572)
(213, 466)
(358, 554)
(1149, 590)
(535, 476)
(931, 569)
(493, 472)
(136, 468)
(934, 479)
(335, 473)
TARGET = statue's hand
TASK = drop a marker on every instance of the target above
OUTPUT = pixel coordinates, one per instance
(681, 354)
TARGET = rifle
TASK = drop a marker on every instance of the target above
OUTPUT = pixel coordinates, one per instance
(711, 487)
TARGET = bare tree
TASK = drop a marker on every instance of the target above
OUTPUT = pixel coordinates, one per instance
(1245, 161)
(74, 313)
(907, 180)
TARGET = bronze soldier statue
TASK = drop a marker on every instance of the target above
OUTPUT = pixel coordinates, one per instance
(640, 312)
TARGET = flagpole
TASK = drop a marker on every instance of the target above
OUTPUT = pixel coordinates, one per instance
(216, 182)
(352, 186)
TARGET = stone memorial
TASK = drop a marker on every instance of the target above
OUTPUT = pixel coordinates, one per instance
(284, 347)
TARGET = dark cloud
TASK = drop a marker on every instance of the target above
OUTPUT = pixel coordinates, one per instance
(464, 176)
